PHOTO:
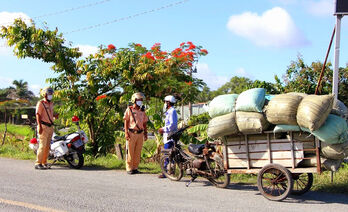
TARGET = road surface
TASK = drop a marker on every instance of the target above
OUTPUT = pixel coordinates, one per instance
(91, 189)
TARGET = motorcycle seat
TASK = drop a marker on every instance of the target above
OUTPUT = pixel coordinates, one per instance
(59, 138)
(196, 149)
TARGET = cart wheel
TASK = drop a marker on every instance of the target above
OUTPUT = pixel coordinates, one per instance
(274, 182)
(302, 183)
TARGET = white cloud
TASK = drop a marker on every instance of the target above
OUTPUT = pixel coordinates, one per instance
(87, 50)
(320, 8)
(7, 18)
(213, 81)
(35, 89)
(5, 82)
(242, 73)
(274, 28)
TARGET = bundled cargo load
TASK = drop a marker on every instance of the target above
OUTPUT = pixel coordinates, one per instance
(222, 125)
(313, 111)
(334, 130)
(251, 100)
(335, 151)
(282, 109)
(251, 122)
(340, 109)
(222, 105)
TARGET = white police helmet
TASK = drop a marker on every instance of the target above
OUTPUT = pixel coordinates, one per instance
(138, 95)
(170, 99)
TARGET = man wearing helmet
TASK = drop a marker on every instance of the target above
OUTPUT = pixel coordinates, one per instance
(171, 125)
(135, 127)
(44, 117)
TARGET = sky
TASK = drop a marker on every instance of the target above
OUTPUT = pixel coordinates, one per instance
(257, 39)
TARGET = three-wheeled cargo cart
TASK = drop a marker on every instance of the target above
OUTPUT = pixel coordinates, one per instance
(284, 162)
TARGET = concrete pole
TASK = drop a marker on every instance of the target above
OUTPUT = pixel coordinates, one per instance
(337, 55)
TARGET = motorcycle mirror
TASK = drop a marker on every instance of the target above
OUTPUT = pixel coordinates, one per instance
(75, 119)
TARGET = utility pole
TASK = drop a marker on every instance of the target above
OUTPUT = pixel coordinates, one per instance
(341, 9)
(337, 56)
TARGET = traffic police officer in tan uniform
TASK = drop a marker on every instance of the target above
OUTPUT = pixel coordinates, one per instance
(44, 119)
(135, 127)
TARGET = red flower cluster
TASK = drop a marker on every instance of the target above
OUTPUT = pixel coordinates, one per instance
(189, 83)
(111, 47)
(101, 97)
(149, 56)
(138, 45)
(204, 51)
(156, 47)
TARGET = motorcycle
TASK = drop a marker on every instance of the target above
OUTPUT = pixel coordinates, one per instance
(69, 147)
(205, 162)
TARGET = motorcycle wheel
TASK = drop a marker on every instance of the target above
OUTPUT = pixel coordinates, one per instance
(222, 178)
(173, 171)
(75, 160)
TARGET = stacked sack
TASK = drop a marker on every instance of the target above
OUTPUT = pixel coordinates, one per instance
(234, 113)
(311, 113)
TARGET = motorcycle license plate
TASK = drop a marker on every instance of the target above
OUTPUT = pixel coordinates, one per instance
(78, 143)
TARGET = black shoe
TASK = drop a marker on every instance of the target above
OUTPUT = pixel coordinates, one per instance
(47, 166)
(130, 172)
(40, 166)
(136, 171)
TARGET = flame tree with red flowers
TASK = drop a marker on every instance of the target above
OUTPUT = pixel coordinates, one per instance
(97, 88)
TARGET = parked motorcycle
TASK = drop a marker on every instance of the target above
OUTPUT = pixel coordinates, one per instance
(69, 147)
(204, 162)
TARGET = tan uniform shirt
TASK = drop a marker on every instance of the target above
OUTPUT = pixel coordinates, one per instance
(42, 112)
(139, 115)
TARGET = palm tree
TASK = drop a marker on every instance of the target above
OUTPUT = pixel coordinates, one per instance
(21, 90)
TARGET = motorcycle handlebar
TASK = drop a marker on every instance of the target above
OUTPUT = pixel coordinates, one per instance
(178, 133)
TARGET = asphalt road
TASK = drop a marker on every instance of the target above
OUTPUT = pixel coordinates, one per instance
(62, 189)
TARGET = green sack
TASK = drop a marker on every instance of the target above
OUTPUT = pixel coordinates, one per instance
(251, 100)
(222, 125)
(333, 131)
(282, 109)
(222, 105)
(286, 128)
(313, 111)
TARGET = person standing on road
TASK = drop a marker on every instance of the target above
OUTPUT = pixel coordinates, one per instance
(44, 119)
(135, 125)
(171, 125)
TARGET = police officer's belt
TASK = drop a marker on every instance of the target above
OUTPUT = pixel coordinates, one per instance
(46, 124)
(136, 131)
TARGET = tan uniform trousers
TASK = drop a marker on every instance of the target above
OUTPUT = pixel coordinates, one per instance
(135, 145)
(44, 144)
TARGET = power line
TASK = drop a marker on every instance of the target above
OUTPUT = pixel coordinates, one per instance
(120, 19)
(63, 11)
(128, 17)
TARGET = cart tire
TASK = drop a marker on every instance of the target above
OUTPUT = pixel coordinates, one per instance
(274, 182)
(301, 183)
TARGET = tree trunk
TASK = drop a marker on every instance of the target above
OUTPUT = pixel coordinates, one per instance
(3, 139)
(92, 136)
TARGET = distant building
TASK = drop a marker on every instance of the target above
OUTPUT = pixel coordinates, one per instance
(197, 109)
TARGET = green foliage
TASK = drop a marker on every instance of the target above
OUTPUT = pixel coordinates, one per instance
(199, 119)
(97, 88)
